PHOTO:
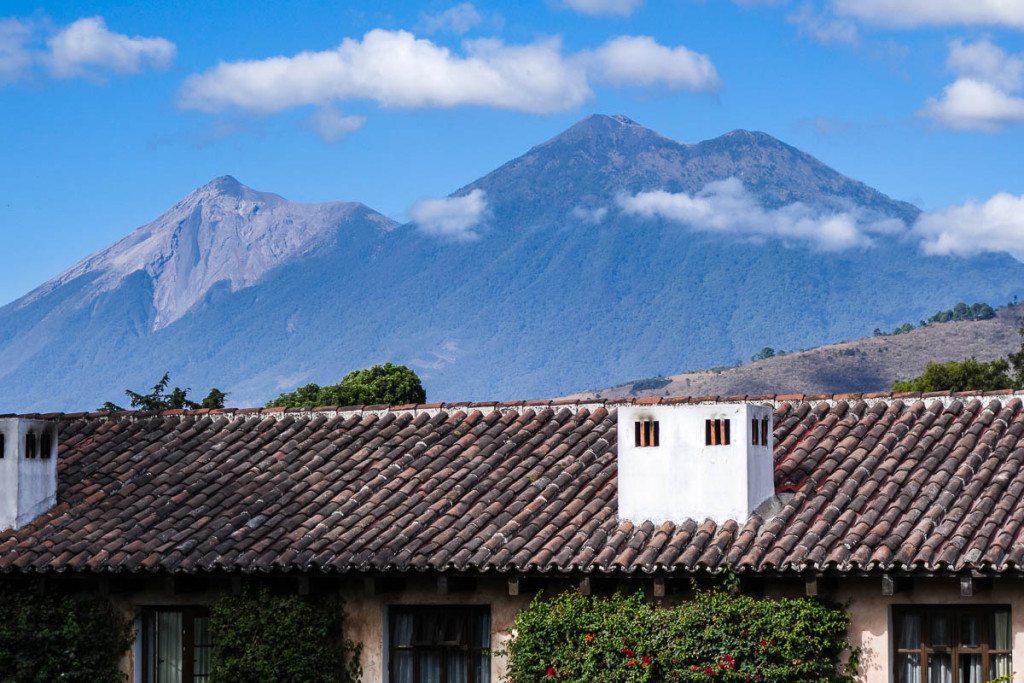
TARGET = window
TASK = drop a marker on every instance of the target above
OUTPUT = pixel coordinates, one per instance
(45, 445)
(176, 645)
(30, 445)
(646, 433)
(439, 644)
(759, 431)
(951, 644)
(716, 432)
(1, 445)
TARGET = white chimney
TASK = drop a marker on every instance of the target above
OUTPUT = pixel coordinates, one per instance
(28, 470)
(680, 462)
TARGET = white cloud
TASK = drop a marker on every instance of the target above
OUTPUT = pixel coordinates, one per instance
(458, 20)
(592, 216)
(15, 58)
(641, 61)
(87, 48)
(986, 62)
(727, 207)
(396, 69)
(332, 125)
(451, 217)
(972, 228)
(986, 93)
(823, 28)
(911, 13)
(622, 8)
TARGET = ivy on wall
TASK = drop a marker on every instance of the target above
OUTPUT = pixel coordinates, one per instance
(716, 636)
(258, 636)
(46, 637)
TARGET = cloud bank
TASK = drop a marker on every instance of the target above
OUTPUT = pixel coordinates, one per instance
(972, 228)
(622, 8)
(332, 125)
(87, 48)
(725, 206)
(641, 61)
(396, 69)
(453, 218)
(459, 19)
(986, 95)
(83, 49)
(914, 13)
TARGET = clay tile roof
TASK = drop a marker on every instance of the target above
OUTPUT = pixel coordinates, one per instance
(868, 483)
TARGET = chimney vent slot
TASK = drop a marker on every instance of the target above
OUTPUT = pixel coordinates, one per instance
(646, 433)
(764, 431)
(30, 445)
(716, 433)
(45, 445)
(2, 444)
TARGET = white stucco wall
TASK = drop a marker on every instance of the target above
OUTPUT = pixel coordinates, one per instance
(871, 617)
(683, 478)
(28, 486)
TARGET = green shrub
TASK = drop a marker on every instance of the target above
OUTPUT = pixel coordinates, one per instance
(261, 637)
(46, 638)
(716, 636)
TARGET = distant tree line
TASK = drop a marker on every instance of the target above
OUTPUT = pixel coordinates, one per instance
(970, 374)
(380, 384)
(959, 312)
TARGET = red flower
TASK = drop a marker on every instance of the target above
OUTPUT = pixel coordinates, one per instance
(645, 659)
(631, 662)
(551, 672)
(709, 670)
(589, 637)
(626, 651)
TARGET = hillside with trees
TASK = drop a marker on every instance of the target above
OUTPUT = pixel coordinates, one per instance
(863, 365)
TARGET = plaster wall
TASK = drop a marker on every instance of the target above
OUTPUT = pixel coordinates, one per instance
(683, 478)
(28, 486)
(869, 611)
(871, 617)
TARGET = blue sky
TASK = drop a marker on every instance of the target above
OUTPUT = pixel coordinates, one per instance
(112, 111)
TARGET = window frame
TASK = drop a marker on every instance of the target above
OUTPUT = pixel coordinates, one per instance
(418, 646)
(985, 614)
(189, 614)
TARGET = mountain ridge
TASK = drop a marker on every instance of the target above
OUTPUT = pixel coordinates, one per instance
(562, 289)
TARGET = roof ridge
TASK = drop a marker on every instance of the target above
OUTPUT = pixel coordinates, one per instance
(946, 397)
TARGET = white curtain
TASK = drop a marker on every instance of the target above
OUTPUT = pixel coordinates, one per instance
(430, 667)
(201, 661)
(909, 669)
(401, 660)
(456, 664)
(168, 647)
(940, 668)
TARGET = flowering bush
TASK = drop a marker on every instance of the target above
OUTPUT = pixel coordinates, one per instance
(716, 636)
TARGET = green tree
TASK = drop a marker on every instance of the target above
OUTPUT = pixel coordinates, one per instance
(159, 399)
(967, 375)
(390, 384)
(766, 352)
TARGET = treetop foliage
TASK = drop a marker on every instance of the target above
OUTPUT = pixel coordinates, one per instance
(380, 384)
(970, 374)
(159, 399)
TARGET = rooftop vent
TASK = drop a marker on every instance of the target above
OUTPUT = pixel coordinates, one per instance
(28, 470)
(694, 462)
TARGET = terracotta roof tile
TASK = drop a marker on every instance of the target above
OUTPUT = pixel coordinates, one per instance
(869, 483)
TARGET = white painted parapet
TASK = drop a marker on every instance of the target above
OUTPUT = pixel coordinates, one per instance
(28, 470)
(680, 462)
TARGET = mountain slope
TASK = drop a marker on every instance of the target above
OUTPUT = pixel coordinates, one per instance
(222, 231)
(868, 364)
(562, 290)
